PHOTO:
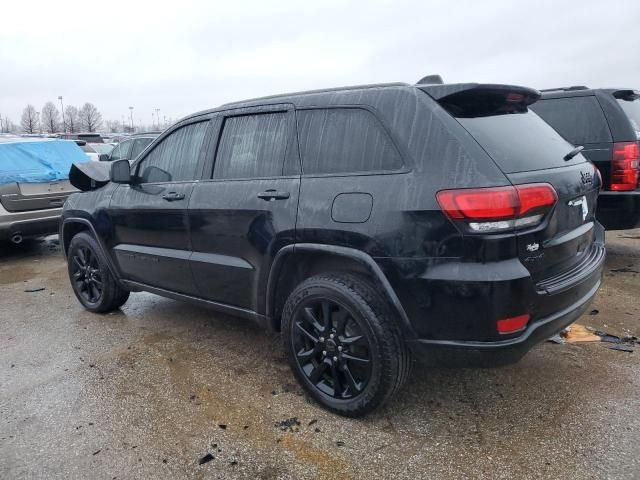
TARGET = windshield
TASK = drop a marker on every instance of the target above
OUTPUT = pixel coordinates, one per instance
(87, 149)
(632, 109)
(102, 148)
(520, 141)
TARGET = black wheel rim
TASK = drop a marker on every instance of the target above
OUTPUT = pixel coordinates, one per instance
(331, 348)
(85, 274)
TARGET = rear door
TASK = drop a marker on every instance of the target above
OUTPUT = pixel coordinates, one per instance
(528, 151)
(246, 211)
(151, 231)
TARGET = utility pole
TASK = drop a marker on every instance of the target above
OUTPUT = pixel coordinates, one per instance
(131, 115)
(64, 124)
(158, 117)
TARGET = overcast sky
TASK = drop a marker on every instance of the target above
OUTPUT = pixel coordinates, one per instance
(186, 56)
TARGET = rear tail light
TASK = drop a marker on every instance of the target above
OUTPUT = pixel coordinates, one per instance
(513, 324)
(497, 209)
(625, 166)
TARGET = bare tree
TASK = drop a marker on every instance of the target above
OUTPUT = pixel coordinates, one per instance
(29, 120)
(113, 126)
(50, 117)
(71, 119)
(90, 118)
(6, 125)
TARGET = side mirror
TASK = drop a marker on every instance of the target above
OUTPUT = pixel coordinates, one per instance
(120, 172)
(103, 157)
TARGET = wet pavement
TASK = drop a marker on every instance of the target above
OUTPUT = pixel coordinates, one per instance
(162, 389)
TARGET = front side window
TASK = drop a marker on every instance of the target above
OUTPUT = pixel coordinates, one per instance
(252, 146)
(341, 140)
(175, 158)
(139, 145)
(122, 150)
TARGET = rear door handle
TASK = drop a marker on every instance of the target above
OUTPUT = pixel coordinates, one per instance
(273, 195)
(173, 196)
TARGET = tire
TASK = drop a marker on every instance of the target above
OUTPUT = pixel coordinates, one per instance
(90, 278)
(318, 362)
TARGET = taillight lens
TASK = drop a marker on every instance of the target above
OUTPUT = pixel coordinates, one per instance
(625, 166)
(496, 209)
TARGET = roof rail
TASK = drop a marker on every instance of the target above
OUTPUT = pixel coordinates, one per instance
(323, 90)
(566, 89)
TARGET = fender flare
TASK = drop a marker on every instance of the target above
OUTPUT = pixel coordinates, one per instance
(351, 253)
(103, 251)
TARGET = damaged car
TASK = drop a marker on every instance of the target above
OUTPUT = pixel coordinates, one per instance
(369, 225)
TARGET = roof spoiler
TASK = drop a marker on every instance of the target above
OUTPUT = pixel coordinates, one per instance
(627, 94)
(478, 99)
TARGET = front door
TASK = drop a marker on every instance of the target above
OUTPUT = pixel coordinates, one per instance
(246, 211)
(151, 231)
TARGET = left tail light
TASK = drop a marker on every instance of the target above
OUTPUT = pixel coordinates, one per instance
(498, 209)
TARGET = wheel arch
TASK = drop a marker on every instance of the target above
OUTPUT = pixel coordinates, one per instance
(294, 263)
(71, 227)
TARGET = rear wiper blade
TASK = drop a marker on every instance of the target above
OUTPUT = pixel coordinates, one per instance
(573, 153)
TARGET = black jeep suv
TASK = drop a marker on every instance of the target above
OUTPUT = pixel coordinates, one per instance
(366, 224)
(606, 122)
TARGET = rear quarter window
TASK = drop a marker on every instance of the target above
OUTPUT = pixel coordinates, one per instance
(344, 140)
(632, 110)
(580, 120)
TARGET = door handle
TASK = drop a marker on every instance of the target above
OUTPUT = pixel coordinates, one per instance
(173, 196)
(273, 195)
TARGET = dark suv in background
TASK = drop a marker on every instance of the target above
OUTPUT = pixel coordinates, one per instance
(606, 122)
(365, 224)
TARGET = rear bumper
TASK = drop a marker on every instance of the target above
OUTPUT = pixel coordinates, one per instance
(504, 352)
(29, 224)
(454, 307)
(619, 210)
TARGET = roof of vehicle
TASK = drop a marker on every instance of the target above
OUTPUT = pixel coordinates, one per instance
(288, 97)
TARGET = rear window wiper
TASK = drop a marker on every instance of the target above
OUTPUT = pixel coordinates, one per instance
(573, 153)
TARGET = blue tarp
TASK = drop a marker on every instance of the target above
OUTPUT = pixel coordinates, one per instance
(37, 161)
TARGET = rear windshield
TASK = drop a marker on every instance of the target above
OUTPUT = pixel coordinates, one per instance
(632, 109)
(519, 141)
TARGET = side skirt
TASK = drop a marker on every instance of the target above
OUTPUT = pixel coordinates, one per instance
(261, 320)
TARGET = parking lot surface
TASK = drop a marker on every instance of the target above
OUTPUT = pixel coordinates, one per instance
(163, 389)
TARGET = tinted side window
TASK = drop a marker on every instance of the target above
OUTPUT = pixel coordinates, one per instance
(125, 148)
(340, 140)
(252, 146)
(579, 120)
(175, 158)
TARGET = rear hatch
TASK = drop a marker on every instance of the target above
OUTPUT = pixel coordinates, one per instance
(558, 247)
(24, 197)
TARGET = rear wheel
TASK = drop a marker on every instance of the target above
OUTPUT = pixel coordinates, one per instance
(91, 280)
(343, 344)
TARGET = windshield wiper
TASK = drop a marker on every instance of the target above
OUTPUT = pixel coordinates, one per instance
(573, 153)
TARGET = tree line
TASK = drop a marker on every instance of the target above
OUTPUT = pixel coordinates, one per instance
(87, 118)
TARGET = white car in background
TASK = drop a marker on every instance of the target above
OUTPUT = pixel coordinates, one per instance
(95, 151)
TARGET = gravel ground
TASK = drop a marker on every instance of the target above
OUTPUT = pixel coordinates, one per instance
(151, 390)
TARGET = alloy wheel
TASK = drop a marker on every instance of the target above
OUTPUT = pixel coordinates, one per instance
(332, 348)
(86, 275)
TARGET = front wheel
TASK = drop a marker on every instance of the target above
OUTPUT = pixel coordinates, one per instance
(91, 280)
(342, 343)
